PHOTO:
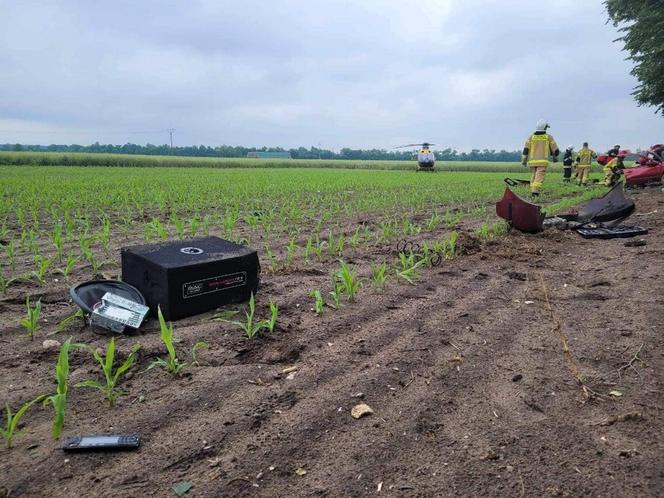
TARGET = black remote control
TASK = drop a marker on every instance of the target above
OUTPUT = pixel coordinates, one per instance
(99, 443)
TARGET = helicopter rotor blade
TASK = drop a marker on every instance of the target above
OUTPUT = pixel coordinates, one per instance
(413, 145)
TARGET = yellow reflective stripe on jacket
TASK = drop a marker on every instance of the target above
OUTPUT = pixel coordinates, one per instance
(532, 149)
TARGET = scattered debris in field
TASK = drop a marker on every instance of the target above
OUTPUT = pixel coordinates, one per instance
(290, 370)
(517, 378)
(300, 471)
(621, 418)
(182, 488)
(456, 359)
(361, 410)
(635, 243)
(615, 394)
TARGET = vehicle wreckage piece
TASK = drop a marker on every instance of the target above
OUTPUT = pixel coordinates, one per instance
(110, 304)
(602, 232)
(612, 206)
(610, 209)
(520, 214)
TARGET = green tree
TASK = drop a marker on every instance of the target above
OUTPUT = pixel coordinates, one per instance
(642, 24)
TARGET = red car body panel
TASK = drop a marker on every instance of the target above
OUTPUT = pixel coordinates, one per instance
(640, 175)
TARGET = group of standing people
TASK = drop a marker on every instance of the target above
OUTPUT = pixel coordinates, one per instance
(541, 146)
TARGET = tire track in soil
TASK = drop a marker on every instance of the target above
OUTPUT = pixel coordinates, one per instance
(325, 398)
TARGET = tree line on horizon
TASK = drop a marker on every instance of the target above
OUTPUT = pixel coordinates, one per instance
(447, 154)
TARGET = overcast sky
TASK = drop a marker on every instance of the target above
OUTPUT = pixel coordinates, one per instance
(370, 73)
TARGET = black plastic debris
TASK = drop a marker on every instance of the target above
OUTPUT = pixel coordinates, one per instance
(602, 232)
(612, 206)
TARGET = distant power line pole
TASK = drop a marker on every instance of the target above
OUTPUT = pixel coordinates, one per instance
(170, 132)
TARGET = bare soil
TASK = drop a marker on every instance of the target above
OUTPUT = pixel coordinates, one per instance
(466, 372)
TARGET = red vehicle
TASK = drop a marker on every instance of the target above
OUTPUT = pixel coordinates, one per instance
(649, 167)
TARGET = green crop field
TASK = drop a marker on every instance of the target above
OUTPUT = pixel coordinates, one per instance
(133, 160)
(51, 215)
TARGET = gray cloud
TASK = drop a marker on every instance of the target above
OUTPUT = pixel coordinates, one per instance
(375, 73)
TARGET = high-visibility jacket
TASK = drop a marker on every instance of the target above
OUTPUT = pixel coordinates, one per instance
(585, 156)
(538, 148)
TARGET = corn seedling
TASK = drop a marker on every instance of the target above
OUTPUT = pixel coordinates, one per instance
(410, 228)
(387, 231)
(69, 266)
(252, 220)
(318, 247)
(111, 375)
(171, 364)
(13, 419)
(5, 282)
(223, 316)
(318, 301)
(433, 222)
(335, 245)
(354, 240)
(335, 293)
(379, 274)
(42, 267)
(58, 241)
(271, 323)
(31, 322)
(59, 398)
(229, 220)
(349, 281)
(105, 236)
(308, 249)
(450, 246)
(67, 322)
(179, 226)
(250, 326)
(290, 252)
(491, 230)
(10, 250)
(194, 225)
(452, 219)
(409, 266)
(198, 346)
(274, 265)
(157, 227)
(206, 225)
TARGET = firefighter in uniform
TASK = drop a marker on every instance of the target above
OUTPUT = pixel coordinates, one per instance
(614, 151)
(584, 160)
(568, 162)
(613, 169)
(539, 146)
